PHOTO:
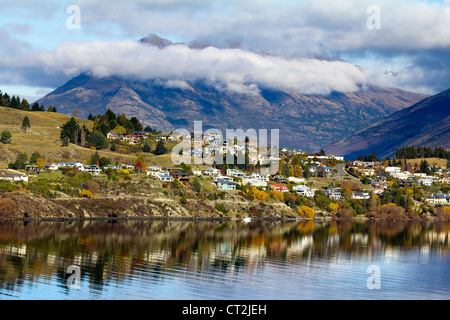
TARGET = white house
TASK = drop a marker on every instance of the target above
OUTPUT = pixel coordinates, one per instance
(425, 182)
(392, 170)
(439, 199)
(334, 194)
(305, 191)
(296, 180)
(92, 169)
(225, 185)
(254, 182)
(12, 175)
(235, 173)
(360, 196)
(51, 166)
(211, 172)
(78, 165)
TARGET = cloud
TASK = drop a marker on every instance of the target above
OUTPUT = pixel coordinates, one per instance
(232, 69)
(281, 44)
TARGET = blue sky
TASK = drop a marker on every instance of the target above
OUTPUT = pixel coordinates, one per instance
(39, 52)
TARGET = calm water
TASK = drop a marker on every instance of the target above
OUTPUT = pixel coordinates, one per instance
(212, 260)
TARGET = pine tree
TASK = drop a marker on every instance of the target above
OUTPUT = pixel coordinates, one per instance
(26, 123)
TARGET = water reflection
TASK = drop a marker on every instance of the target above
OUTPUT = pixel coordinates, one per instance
(186, 260)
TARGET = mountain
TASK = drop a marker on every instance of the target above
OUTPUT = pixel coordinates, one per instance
(308, 122)
(426, 123)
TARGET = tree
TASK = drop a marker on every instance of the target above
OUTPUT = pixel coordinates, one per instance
(160, 148)
(113, 147)
(104, 161)
(40, 162)
(21, 159)
(69, 129)
(94, 159)
(98, 140)
(5, 137)
(306, 212)
(197, 185)
(34, 157)
(146, 148)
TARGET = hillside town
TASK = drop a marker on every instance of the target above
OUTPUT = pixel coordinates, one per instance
(311, 184)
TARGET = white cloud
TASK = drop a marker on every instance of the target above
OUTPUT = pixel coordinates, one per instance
(235, 69)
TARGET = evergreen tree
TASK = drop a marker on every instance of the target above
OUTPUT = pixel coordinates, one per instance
(26, 123)
(160, 148)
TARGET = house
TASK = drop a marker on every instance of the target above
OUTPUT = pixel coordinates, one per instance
(360, 196)
(128, 167)
(279, 187)
(211, 172)
(78, 165)
(254, 182)
(235, 173)
(114, 135)
(279, 178)
(296, 180)
(51, 166)
(391, 170)
(223, 178)
(225, 185)
(114, 167)
(92, 169)
(163, 176)
(132, 138)
(334, 194)
(439, 200)
(182, 176)
(163, 137)
(305, 191)
(173, 170)
(31, 168)
(197, 172)
(12, 175)
(425, 182)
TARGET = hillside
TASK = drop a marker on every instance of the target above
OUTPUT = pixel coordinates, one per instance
(426, 123)
(43, 137)
(306, 122)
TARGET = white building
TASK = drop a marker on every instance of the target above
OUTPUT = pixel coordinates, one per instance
(305, 191)
(360, 196)
(392, 170)
(92, 169)
(13, 175)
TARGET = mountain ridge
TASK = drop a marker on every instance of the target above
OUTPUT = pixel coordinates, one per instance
(426, 123)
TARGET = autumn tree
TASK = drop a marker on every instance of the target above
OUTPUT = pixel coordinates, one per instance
(306, 212)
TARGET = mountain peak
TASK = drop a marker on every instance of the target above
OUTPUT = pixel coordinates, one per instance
(155, 40)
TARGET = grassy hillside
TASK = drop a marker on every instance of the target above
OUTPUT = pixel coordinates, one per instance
(43, 137)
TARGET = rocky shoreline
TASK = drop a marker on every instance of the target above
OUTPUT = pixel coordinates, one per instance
(21, 206)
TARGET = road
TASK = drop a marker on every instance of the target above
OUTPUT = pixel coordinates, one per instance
(340, 168)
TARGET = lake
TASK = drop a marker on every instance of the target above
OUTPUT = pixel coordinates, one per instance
(173, 260)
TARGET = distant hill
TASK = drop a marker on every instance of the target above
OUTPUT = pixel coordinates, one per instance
(308, 122)
(426, 123)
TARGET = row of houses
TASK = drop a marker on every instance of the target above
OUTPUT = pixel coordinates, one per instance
(12, 175)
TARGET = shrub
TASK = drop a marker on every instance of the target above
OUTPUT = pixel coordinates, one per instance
(86, 194)
(306, 212)
(220, 207)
